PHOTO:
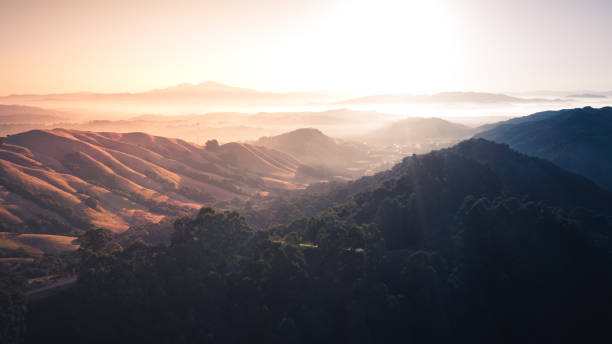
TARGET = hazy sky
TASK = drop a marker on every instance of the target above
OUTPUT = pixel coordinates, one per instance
(345, 45)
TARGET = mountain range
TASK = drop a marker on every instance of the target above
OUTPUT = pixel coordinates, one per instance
(443, 98)
(219, 95)
(206, 93)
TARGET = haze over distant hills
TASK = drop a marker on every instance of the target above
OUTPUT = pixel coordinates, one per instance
(560, 93)
(206, 94)
(213, 96)
(18, 114)
(443, 97)
(419, 131)
(587, 95)
(29, 114)
(313, 148)
(218, 93)
(224, 126)
(578, 140)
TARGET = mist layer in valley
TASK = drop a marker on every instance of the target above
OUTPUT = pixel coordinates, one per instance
(208, 110)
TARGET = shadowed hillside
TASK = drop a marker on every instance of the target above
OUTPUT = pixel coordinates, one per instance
(578, 140)
(441, 179)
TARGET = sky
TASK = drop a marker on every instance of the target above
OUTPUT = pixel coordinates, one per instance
(352, 46)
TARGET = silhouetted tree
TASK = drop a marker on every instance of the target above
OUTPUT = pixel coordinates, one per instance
(212, 145)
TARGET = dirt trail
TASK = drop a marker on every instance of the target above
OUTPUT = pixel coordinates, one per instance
(48, 290)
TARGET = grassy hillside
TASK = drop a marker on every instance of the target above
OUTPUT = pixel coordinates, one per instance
(61, 181)
(36, 244)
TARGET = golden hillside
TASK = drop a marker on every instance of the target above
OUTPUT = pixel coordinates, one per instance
(57, 181)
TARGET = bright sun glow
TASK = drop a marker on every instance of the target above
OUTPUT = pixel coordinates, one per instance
(346, 46)
(381, 46)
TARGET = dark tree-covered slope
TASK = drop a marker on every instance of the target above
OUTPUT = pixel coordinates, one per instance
(474, 167)
(579, 140)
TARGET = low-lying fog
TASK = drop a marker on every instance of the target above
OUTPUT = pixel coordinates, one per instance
(241, 123)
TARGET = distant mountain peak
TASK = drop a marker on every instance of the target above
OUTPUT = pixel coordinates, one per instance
(306, 131)
(298, 136)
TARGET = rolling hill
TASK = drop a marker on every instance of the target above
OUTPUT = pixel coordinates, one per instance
(420, 131)
(60, 181)
(37, 244)
(315, 149)
(578, 140)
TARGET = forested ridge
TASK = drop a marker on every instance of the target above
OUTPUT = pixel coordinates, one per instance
(474, 167)
(475, 243)
(577, 139)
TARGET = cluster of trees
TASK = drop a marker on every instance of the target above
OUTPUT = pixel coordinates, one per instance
(56, 265)
(317, 172)
(166, 184)
(10, 227)
(46, 224)
(513, 271)
(196, 194)
(218, 281)
(149, 232)
(13, 282)
(12, 309)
